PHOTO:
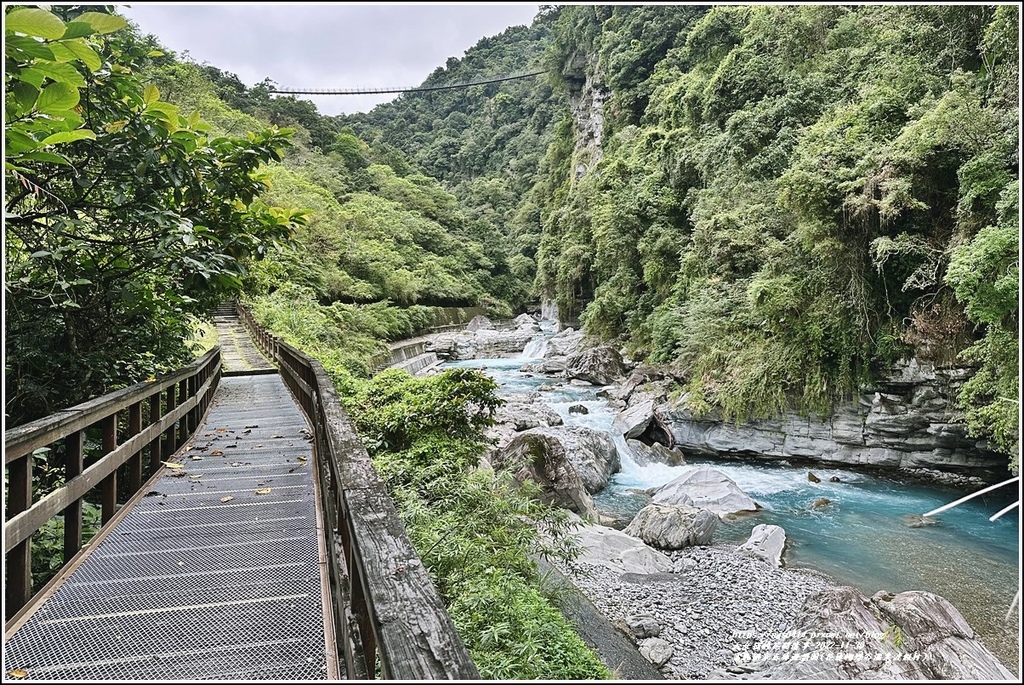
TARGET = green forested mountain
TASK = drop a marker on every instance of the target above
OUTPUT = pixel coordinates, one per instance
(788, 199)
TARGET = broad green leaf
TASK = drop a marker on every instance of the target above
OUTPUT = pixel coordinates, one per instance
(102, 23)
(25, 95)
(62, 73)
(33, 76)
(115, 126)
(18, 142)
(69, 136)
(77, 29)
(23, 47)
(40, 156)
(155, 53)
(34, 22)
(61, 53)
(56, 97)
(85, 53)
(150, 94)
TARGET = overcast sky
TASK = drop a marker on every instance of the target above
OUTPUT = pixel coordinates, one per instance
(325, 44)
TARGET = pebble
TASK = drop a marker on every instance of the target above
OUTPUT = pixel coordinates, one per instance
(709, 609)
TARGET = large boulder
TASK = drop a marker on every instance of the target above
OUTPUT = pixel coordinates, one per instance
(706, 488)
(604, 546)
(591, 453)
(633, 421)
(766, 542)
(569, 462)
(669, 526)
(913, 635)
(600, 365)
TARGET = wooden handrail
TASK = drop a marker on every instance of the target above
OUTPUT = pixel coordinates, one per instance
(387, 608)
(161, 415)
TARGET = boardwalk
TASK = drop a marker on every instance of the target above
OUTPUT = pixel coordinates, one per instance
(212, 572)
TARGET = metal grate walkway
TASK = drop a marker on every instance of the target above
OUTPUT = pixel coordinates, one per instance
(214, 573)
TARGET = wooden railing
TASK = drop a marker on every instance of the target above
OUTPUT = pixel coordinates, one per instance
(158, 418)
(386, 607)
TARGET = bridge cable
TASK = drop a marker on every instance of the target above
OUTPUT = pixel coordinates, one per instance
(413, 89)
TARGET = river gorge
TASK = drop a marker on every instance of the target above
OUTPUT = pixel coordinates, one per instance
(858, 526)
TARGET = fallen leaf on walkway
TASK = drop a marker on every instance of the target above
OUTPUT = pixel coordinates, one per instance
(175, 474)
(18, 673)
(263, 491)
(216, 453)
(277, 436)
(252, 426)
(226, 499)
(303, 459)
(171, 465)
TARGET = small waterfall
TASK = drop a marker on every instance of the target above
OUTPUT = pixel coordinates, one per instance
(536, 348)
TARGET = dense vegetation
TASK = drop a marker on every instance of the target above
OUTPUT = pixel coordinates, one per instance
(777, 202)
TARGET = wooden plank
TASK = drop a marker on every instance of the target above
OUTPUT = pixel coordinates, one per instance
(23, 525)
(415, 635)
(18, 566)
(24, 439)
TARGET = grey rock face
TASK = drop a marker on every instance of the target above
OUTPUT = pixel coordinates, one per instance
(907, 422)
(670, 526)
(656, 453)
(542, 459)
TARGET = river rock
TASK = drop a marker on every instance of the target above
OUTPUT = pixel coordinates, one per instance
(564, 343)
(913, 635)
(578, 409)
(634, 420)
(524, 320)
(640, 627)
(610, 548)
(821, 503)
(766, 542)
(706, 488)
(657, 651)
(600, 365)
(656, 453)
(479, 323)
(525, 415)
(670, 526)
(813, 478)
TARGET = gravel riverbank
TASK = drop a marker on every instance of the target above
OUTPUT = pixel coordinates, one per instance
(709, 608)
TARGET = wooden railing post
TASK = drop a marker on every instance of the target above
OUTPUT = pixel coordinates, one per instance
(108, 488)
(74, 448)
(170, 443)
(154, 446)
(135, 462)
(19, 559)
